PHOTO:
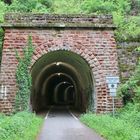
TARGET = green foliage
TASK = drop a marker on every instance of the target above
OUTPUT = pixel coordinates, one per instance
(29, 6)
(135, 7)
(131, 113)
(123, 127)
(22, 6)
(1, 41)
(2, 11)
(128, 27)
(47, 3)
(22, 126)
(105, 6)
(23, 77)
(66, 7)
(131, 88)
(97, 6)
(123, 6)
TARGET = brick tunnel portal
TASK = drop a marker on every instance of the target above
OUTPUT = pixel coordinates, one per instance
(61, 78)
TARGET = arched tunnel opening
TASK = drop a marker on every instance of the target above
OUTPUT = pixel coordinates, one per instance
(61, 78)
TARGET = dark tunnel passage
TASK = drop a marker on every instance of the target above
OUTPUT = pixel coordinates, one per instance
(61, 78)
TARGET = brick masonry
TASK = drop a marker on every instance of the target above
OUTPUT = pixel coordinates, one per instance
(94, 42)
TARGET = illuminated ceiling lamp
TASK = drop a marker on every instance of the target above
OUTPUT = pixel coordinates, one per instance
(59, 74)
(57, 63)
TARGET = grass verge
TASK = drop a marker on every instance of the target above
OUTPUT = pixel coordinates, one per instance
(125, 126)
(22, 126)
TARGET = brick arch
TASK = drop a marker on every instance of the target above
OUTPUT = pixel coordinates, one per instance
(86, 54)
(40, 53)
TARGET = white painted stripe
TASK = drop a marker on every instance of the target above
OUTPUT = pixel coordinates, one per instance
(73, 115)
(48, 113)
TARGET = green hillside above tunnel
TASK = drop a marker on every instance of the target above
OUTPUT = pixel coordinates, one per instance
(126, 13)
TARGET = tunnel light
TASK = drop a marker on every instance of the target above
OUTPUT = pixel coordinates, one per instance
(58, 63)
(64, 82)
(58, 74)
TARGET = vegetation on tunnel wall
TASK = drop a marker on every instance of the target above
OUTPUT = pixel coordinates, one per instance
(2, 11)
(130, 90)
(23, 78)
(1, 43)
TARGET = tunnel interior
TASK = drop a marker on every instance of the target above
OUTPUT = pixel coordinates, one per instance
(61, 78)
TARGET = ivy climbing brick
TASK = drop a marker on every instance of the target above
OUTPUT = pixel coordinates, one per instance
(23, 78)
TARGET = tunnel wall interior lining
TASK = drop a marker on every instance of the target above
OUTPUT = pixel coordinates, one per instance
(61, 78)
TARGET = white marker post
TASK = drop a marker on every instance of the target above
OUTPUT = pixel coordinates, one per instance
(112, 82)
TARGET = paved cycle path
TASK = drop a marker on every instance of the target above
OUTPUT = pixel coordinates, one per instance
(61, 124)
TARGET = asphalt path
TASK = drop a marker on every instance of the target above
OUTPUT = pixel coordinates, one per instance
(61, 124)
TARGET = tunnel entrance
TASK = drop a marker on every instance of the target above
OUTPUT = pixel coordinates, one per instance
(61, 78)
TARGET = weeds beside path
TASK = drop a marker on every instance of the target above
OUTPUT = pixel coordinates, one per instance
(22, 126)
(126, 126)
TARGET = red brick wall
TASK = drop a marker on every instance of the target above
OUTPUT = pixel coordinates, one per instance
(98, 47)
(91, 37)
